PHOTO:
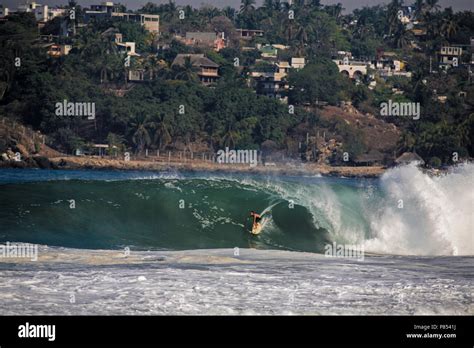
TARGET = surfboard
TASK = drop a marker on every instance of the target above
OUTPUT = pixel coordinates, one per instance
(257, 229)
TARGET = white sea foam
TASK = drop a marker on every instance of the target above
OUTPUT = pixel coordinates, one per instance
(437, 213)
(200, 282)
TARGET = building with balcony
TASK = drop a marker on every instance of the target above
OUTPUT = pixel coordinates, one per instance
(388, 67)
(249, 34)
(273, 81)
(108, 10)
(352, 68)
(129, 48)
(42, 13)
(273, 85)
(450, 56)
(106, 6)
(151, 23)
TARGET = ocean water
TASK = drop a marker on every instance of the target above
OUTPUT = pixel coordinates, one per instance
(179, 243)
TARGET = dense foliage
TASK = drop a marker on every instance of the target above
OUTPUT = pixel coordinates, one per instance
(150, 115)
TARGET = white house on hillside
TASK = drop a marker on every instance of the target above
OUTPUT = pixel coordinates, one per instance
(42, 13)
(450, 56)
(352, 68)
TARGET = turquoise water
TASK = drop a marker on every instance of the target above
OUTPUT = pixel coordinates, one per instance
(182, 229)
(147, 210)
(404, 212)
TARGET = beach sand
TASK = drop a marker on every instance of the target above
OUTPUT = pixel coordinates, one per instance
(200, 165)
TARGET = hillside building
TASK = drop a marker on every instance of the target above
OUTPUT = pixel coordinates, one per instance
(107, 10)
(207, 70)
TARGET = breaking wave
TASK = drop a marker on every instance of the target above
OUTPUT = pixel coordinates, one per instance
(406, 211)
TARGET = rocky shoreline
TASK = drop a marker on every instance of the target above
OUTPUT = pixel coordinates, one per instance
(98, 163)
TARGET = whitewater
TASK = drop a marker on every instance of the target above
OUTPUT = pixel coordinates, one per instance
(178, 243)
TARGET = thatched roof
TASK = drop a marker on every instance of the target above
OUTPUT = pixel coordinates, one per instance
(408, 157)
(198, 60)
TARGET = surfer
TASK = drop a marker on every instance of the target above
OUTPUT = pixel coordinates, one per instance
(256, 220)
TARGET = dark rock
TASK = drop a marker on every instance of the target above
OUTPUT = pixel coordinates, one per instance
(18, 164)
(31, 163)
(43, 162)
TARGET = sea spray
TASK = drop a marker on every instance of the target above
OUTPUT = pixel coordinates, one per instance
(437, 214)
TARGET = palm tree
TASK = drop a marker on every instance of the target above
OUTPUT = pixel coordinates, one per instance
(229, 12)
(115, 141)
(105, 71)
(152, 40)
(362, 31)
(285, 6)
(289, 27)
(247, 6)
(187, 71)
(159, 68)
(433, 25)
(406, 142)
(170, 11)
(393, 21)
(432, 5)
(208, 12)
(402, 36)
(162, 134)
(230, 137)
(315, 3)
(89, 43)
(141, 136)
(335, 11)
(449, 25)
(464, 131)
(171, 6)
(268, 5)
(7, 71)
(277, 5)
(70, 23)
(5, 80)
(419, 8)
(188, 11)
(110, 67)
(302, 37)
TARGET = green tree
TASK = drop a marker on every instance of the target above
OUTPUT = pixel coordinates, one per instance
(432, 5)
(162, 136)
(247, 6)
(187, 72)
(318, 81)
(141, 136)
